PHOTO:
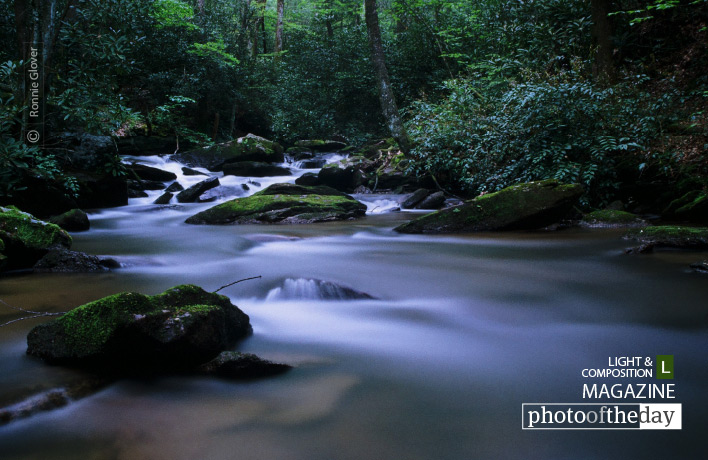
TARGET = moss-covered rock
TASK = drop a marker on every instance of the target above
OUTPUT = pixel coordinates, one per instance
(179, 329)
(283, 203)
(692, 207)
(612, 218)
(519, 207)
(247, 148)
(26, 239)
(668, 236)
(74, 220)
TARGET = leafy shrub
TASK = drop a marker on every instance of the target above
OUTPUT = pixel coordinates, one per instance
(565, 128)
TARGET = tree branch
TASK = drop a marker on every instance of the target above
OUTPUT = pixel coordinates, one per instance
(236, 282)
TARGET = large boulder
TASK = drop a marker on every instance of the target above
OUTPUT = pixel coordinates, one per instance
(85, 151)
(27, 239)
(254, 169)
(192, 194)
(308, 179)
(40, 197)
(414, 198)
(283, 203)
(435, 200)
(181, 328)
(519, 207)
(344, 179)
(75, 220)
(247, 148)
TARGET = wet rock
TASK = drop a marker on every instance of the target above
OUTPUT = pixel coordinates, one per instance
(414, 198)
(192, 172)
(193, 193)
(308, 179)
(362, 190)
(64, 261)
(174, 187)
(165, 198)
(132, 333)
(609, 218)
(520, 207)
(312, 289)
(667, 236)
(254, 169)
(283, 203)
(701, 267)
(247, 148)
(344, 179)
(27, 239)
(433, 201)
(140, 185)
(319, 145)
(75, 220)
(152, 174)
(313, 164)
(133, 193)
(223, 191)
(242, 366)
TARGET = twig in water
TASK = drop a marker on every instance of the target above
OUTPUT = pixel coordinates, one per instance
(34, 314)
(236, 282)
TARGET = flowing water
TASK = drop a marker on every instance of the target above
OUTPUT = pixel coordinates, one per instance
(405, 347)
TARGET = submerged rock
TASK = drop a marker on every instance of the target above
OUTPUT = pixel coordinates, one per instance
(235, 365)
(27, 239)
(193, 193)
(700, 267)
(179, 329)
(192, 172)
(668, 236)
(283, 203)
(525, 206)
(310, 289)
(75, 220)
(63, 261)
(610, 218)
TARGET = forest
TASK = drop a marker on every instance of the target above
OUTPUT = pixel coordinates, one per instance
(353, 229)
(608, 94)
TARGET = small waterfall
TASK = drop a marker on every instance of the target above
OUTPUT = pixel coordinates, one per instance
(309, 289)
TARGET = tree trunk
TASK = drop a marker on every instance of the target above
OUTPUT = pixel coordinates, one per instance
(280, 7)
(603, 69)
(388, 101)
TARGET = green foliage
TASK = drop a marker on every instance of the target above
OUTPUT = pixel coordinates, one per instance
(173, 13)
(566, 128)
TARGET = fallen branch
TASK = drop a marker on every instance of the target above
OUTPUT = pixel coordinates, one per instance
(236, 282)
(34, 314)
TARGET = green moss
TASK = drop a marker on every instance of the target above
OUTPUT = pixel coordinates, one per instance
(522, 206)
(666, 232)
(270, 206)
(612, 218)
(88, 327)
(31, 232)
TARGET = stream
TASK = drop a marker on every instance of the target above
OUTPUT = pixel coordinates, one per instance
(458, 332)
